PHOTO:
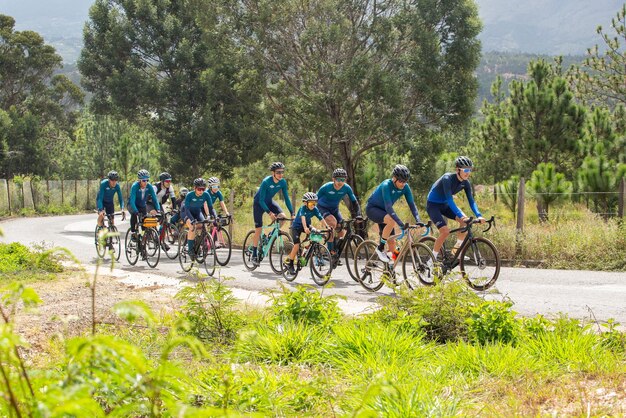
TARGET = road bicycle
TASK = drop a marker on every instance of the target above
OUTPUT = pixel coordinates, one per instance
(221, 238)
(312, 252)
(348, 244)
(414, 257)
(203, 248)
(477, 257)
(108, 238)
(168, 236)
(145, 242)
(272, 244)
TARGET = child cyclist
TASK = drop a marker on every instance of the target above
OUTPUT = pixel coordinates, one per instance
(302, 223)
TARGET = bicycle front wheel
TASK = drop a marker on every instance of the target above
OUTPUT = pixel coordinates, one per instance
(247, 251)
(152, 247)
(418, 266)
(115, 243)
(278, 249)
(370, 271)
(184, 259)
(223, 246)
(350, 251)
(321, 264)
(131, 248)
(210, 260)
(100, 246)
(480, 263)
(283, 256)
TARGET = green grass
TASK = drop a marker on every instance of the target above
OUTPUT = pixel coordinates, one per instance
(18, 262)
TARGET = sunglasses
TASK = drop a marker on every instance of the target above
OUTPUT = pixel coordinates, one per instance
(467, 170)
(401, 181)
(341, 179)
(200, 189)
(215, 187)
(279, 171)
(167, 181)
(143, 181)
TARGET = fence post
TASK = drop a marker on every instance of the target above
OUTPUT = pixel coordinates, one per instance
(62, 192)
(48, 192)
(76, 193)
(620, 202)
(87, 204)
(23, 196)
(519, 231)
(294, 193)
(9, 197)
(231, 210)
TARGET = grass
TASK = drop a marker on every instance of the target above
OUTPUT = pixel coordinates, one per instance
(18, 262)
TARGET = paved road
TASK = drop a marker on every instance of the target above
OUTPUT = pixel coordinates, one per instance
(532, 290)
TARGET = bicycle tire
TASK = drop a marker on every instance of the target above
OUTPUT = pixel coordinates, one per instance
(152, 247)
(224, 246)
(289, 277)
(115, 241)
(246, 251)
(417, 267)
(185, 261)
(131, 249)
(369, 269)
(480, 255)
(100, 248)
(321, 264)
(277, 247)
(210, 259)
(171, 239)
(350, 251)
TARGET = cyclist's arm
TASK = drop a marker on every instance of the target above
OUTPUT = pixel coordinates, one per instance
(100, 198)
(208, 201)
(155, 200)
(119, 196)
(262, 193)
(354, 201)
(389, 204)
(411, 202)
(286, 196)
(173, 197)
(133, 195)
(223, 206)
(447, 191)
(470, 199)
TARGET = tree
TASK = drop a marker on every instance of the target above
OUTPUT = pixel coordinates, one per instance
(548, 186)
(173, 65)
(601, 176)
(345, 77)
(508, 191)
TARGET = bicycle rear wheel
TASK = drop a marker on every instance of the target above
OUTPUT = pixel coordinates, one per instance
(115, 242)
(184, 259)
(170, 241)
(246, 251)
(223, 246)
(321, 264)
(131, 248)
(278, 249)
(152, 247)
(416, 268)
(480, 263)
(370, 271)
(350, 254)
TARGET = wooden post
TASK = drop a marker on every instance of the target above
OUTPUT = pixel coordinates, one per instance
(9, 197)
(48, 192)
(519, 233)
(75, 192)
(294, 193)
(62, 192)
(620, 201)
(231, 210)
(33, 193)
(88, 197)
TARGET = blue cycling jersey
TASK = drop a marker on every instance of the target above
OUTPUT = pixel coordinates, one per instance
(386, 194)
(268, 189)
(448, 185)
(194, 202)
(329, 197)
(216, 196)
(308, 215)
(139, 197)
(106, 194)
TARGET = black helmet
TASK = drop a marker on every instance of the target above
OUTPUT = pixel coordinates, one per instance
(276, 165)
(143, 174)
(183, 191)
(112, 175)
(401, 172)
(199, 182)
(213, 181)
(165, 176)
(340, 172)
(463, 161)
(309, 196)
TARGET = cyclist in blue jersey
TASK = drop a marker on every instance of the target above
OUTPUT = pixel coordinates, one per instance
(379, 207)
(196, 205)
(330, 195)
(440, 204)
(302, 223)
(263, 202)
(180, 204)
(139, 192)
(216, 194)
(104, 202)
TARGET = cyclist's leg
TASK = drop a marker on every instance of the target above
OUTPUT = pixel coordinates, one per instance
(295, 237)
(437, 212)
(388, 231)
(257, 212)
(109, 210)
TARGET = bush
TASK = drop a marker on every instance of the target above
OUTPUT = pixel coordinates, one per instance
(305, 305)
(18, 261)
(492, 322)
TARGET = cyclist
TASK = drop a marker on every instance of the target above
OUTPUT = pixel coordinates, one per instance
(379, 207)
(302, 223)
(196, 205)
(104, 202)
(180, 204)
(330, 195)
(216, 194)
(138, 198)
(440, 204)
(263, 202)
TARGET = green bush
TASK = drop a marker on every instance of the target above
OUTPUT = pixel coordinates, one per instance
(18, 261)
(492, 322)
(305, 305)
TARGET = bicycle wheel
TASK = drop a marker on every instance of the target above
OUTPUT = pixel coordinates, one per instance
(246, 251)
(210, 260)
(321, 264)
(429, 241)
(350, 254)
(415, 266)
(223, 246)
(131, 248)
(480, 263)
(170, 241)
(115, 243)
(100, 247)
(185, 261)
(278, 249)
(152, 247)
(370, 271)
(283, 255)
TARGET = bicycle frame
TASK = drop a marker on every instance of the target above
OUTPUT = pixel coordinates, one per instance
(340, 243)
(275, 227)
(450, 263)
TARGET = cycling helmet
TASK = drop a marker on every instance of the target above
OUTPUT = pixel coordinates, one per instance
(463, 161)
(276, 165)
(340, 172)
(309, 196)
(143, 174)
(165, 176)
(199, 182)
(183, 192)
(213, 181)
(401, 172)
(112, 175)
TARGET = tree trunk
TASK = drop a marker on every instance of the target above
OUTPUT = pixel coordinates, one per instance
(542, 211)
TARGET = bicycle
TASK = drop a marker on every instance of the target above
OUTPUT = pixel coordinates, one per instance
(413, 255)
(272, 244)
(111, 239)
(221, 238)
(168, 236)
(347, 245)
(203, 248)
(312, 249)
(145, 242)
(477, 257)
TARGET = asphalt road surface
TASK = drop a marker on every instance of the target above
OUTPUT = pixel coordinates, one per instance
(549, 292)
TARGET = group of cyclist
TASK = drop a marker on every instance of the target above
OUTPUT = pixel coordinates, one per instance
(324, 205)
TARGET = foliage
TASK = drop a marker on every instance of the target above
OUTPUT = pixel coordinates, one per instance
(548, 186)
(508, 191)
(493, 322)
(19, 262)
(305, 305)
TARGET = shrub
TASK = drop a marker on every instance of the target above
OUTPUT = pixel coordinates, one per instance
(305, 305)
(492, 322)
(18, 261)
